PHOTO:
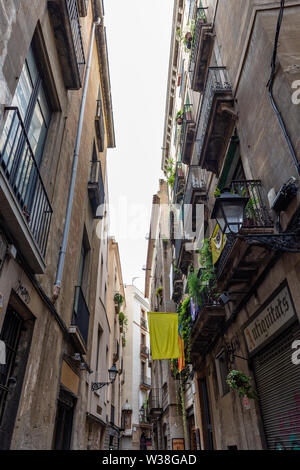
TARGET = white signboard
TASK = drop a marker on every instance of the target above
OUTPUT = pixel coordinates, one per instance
(276, 314)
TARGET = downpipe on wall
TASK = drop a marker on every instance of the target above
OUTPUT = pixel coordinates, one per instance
(62, 253)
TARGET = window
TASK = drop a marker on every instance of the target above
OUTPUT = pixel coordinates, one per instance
(34, 115)
(222, 372)
(98, 352)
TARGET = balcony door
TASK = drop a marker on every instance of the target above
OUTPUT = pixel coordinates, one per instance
(25, 132)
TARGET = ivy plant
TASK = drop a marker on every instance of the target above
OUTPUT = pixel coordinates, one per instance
(241, 382)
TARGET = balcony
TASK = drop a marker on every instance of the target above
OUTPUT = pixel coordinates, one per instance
(116, 351)
(208, 320)
(144, 351)
(155, 402)
(67, 31)
(201, 52)
(79, 328)
(112, 414)
(99, 126)
(182, 256)
(96, 190)
(187, 135)
(179, 184)
(216, 121)
(82, 7)
(145, 383)
(240, 261)
(25, 206)
(144, 323)
(177, 285)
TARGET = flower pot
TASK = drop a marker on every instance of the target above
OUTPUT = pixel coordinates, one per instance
(189, 44)
(189, 37)
(179, 121)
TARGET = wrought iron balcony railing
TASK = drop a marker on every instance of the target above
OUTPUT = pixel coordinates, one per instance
(22, 173)
(256, 212)
(178, 188)
(67, 31)
(217, 83)
(155, 400)
(76, 30)
(144, 350)
(196, 182)
(201, 51)
(145, 381)
(99, 125)
(81, 314)
(187, 134)
(96, 190)
(207, 298)
(256, 215)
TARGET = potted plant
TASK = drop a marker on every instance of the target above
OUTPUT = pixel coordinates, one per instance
(241, 382)
(188, 38)
(123, 321)
(179, 117)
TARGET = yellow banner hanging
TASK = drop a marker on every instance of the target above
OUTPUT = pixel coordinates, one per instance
(218, 241)
(164, 338)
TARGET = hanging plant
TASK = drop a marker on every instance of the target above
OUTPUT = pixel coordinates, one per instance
(159, 292)
(179, 117)
(241, 382)
(118, 299)
(171, 172)
(123, 320)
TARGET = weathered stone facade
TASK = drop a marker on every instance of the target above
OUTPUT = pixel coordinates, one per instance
(48, 382)
(231, 137)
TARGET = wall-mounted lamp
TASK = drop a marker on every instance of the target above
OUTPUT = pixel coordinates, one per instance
(112, 374)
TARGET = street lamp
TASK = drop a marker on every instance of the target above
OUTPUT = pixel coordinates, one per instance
(229, 211)
(112, 374)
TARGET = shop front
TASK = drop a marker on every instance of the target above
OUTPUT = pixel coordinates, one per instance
(270, 336)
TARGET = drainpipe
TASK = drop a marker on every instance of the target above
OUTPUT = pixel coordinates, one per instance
(62, 254)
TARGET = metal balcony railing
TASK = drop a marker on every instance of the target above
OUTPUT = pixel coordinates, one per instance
(112, 414)
(96, 188)
(155, 399)
(256, 213)
(199, 22)
(81, 314)
(217, 82)
(178, 188)
(99, 123)
(206, 298)
(197, 179)
(187, 133)
(76, 30)
(144, 350)
(146, 381)
(143, 323)
(22, 172)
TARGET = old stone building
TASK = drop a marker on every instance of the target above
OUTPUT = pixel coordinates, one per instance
(50, 52)
(171, 401)
(137, 381)
(231, 156)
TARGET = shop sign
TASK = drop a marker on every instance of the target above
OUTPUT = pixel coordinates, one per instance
(276, 313)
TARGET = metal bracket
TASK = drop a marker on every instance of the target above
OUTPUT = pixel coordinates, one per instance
(288, 242)
(98, 385)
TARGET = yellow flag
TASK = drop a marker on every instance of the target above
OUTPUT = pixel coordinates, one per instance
(164, 338)
(218, 241)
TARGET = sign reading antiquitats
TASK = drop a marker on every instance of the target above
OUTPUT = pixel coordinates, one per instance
(274, 316)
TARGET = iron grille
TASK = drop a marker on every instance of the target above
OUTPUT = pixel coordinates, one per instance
(81, 314)
(22, 172)
(76, 30)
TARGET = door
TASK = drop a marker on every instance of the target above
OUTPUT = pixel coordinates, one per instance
(16, 334)
(64, 421)
(205, 414)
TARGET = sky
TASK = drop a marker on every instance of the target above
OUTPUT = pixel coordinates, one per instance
(138, 38)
